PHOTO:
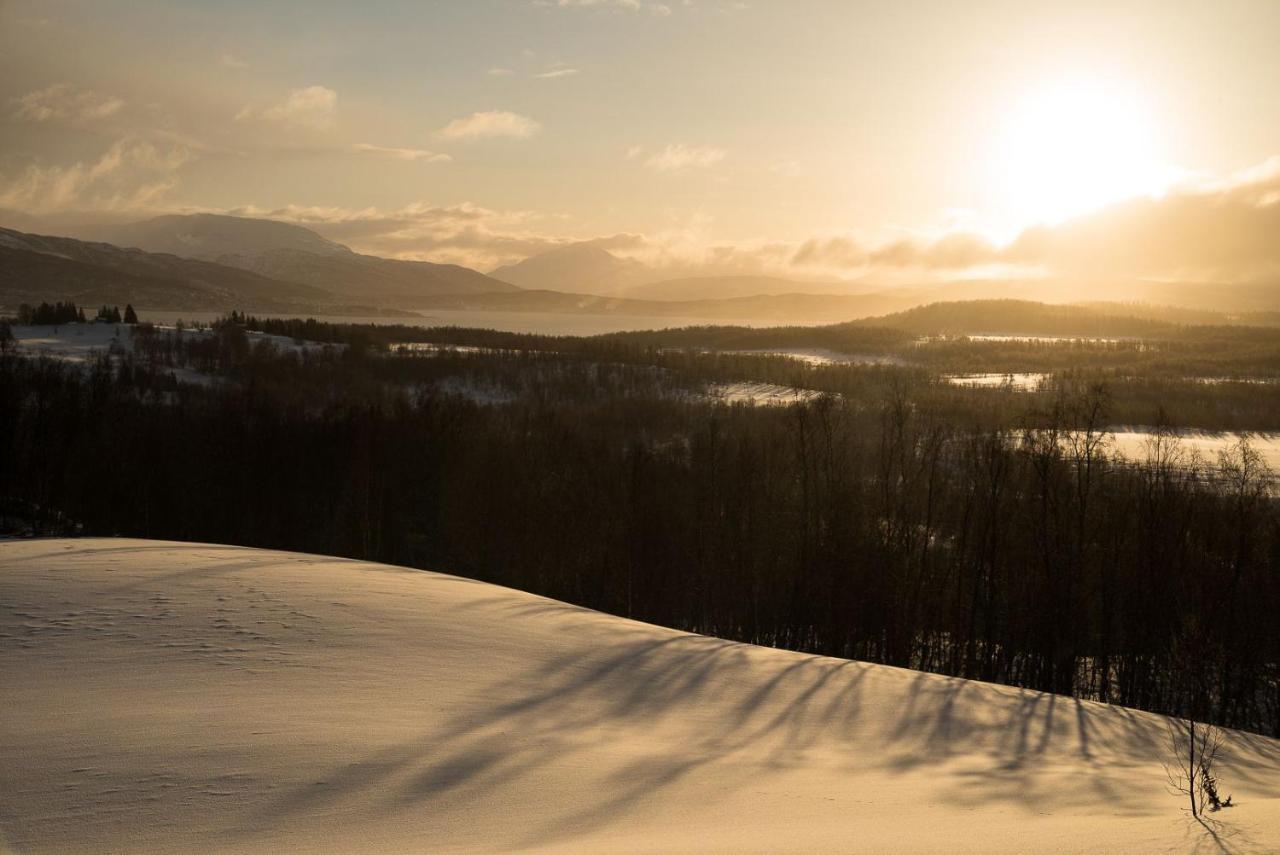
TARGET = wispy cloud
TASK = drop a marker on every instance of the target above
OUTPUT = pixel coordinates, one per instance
(1224, 230)
(468, 234)
(490, 124)
(838, 251)
(549, 71)
(660, 9)
(679, 156)
(787, 168)
(402, 153)
(232, 61)
(63, 102)
(132, 174)
(312, 107)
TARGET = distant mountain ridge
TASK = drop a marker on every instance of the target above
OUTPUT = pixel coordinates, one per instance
(1008, 317)
(775, 308)
(36, 268)
(293, 253)
(210, 236)
(579, 268)
(45, 267)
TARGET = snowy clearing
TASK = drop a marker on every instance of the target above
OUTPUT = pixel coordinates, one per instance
(81, 342)
(760, 394)
(1020, 382)
(164, 697)
(72, 342)
(824, 356)
(1133, 444)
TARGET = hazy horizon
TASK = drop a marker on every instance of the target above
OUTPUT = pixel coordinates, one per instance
(703, 137)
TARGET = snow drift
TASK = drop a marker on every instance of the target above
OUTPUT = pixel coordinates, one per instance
(162, 697)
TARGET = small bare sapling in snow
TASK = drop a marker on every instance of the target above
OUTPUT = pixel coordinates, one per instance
(1194, 749)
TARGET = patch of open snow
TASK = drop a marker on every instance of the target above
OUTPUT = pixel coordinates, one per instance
(80, 343)
(72, 342)
(170, 697)
(485, 394)
(1132, 443)
(1022, 382)
(762, 394)
(825, 356)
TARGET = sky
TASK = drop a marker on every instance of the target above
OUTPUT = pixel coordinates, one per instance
(814, 139)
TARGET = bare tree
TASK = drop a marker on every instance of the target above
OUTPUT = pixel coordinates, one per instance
(1194, 751)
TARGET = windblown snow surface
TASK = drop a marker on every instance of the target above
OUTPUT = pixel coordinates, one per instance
(168, 697)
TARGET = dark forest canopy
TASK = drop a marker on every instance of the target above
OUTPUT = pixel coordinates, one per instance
(980, 533)
(1207, 377)
(1041, 336)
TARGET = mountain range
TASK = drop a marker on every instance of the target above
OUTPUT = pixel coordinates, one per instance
(35, 268)
(216, 262)
(579, 267)
(292, 253)
(587, 268)
(212, 262)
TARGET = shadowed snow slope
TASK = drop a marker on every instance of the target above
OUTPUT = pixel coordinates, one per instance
(172, 697)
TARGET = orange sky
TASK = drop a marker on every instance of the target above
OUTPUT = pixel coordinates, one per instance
(814, 139)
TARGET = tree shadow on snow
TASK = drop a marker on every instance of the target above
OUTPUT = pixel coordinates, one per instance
(666, 707)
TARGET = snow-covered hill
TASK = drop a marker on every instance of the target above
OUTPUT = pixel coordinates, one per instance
(166, 697)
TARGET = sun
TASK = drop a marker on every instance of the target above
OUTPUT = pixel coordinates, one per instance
(1073, 147)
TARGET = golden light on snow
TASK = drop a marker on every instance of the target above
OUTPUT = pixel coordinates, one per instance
(1074, 146)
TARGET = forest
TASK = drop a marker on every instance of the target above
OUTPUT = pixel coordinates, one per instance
(977, 533)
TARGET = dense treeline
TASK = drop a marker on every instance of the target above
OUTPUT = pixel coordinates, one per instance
(47, 314)
(890, 524)
(1087, 320)
(495, 361)
(1212, 378)
(1179, 351)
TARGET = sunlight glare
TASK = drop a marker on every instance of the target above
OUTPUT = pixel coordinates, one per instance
(1075, 147)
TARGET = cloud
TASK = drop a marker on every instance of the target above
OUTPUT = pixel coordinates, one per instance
(63, 102)
(787, 168)
(463, 234)
(311, 107)
(552, 71)
(402, 153)
(232, 61)
(659, 9)
(955, 251)
(680, 156)
(493, 123)
(133, 174)
(840, 252)
(1228, 230)
(556, 72)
